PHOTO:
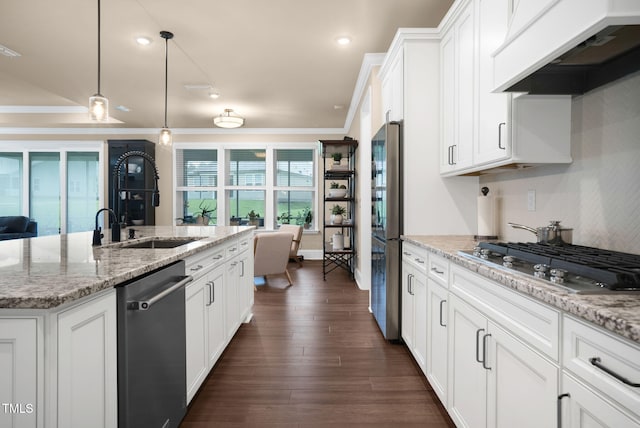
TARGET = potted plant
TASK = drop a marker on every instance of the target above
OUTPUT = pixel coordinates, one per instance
(308, 218)
(337, 190)
(254, 218)
(336, 214)
(204, 212)
(284, 218)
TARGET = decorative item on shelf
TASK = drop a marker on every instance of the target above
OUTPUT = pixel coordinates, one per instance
(254, 218)
(165, 133)
(228, 119)
(235, 221)
(137, 222)
(98, 103)
(203, 216)
(337, 190)
(284, 218)
(338, 242)
(336, 214)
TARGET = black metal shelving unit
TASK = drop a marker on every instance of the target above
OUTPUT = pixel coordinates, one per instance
(333, 257)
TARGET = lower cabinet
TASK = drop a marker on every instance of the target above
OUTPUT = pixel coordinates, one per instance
(414, 312)
(19, 357)
(437, 351)
(231, 294)
(87, 364)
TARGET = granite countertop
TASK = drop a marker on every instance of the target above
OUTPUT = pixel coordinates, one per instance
(618, 313)
(48, 271)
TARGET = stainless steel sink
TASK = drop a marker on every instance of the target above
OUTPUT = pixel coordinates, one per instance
(159, 243)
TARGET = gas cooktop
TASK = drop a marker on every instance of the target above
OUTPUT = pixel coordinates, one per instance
(575, 268)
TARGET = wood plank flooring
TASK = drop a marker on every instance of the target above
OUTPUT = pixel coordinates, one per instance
(313, 356)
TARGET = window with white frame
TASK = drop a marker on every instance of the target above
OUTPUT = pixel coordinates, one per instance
(264, 186)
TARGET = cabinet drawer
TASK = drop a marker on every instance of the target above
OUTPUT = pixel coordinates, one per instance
(536, 324)
(415, 256)
(439, 269)
(232, 248)
(201, 263)
(244, 243)
(616, 358)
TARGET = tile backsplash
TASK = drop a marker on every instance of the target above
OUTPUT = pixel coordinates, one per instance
(598, 195)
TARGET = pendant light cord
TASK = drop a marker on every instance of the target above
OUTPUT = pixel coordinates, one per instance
(99, 46)
(166, 77)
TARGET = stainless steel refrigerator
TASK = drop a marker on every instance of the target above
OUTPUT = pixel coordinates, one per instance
(386, 224)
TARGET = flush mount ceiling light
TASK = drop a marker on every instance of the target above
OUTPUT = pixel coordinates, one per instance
(228, 119)
(165, 132)
(98, 104)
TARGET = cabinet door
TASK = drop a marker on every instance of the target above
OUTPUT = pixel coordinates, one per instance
(231, 308)
(216, 336)
(87, 364)
(196, 297)
(437, 353)
(467, 395)
(393, 90)
(493, 141)
(465, 88)
(447, 101)
(523, 385)
(408, 273)
(245, 285)
(583, 408)
(18, 366)
(419, 288)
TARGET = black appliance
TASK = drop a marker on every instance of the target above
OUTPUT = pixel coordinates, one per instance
(576, 268)
(386, 222)
(152, 349)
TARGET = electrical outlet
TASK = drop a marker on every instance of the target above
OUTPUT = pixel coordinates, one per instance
(531, 200)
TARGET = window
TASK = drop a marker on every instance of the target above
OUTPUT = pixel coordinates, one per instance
(44, 194)
(10, 183)
(83, 182)
(276, 184)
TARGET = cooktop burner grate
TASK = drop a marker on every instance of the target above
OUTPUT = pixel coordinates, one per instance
(615, 270)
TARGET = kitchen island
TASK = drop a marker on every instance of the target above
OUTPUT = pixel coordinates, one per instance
(501, 348)
(58, 315)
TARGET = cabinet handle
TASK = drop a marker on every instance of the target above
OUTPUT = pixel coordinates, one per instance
(242, 271)
(410, 284)
(406, 253)
(218, 257)
(500, 146)
(213, 292)
(232, 249)
(197, 268)
(244, 243)
(596, 362)
(480, 330)
(559, 413)
(419, 260)
(435, 269)
(450, 155)
(484, 351)
(209, 290)
(453, 162)
(442, 302)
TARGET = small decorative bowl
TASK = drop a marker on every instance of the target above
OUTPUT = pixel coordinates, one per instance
(137, 222)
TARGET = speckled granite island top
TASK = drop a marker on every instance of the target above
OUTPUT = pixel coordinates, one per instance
(48, 271)
(617, 313)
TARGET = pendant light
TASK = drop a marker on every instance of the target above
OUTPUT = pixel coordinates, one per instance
(165, 132)
(98, 104)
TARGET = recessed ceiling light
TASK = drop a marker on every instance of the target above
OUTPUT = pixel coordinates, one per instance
(214, 95)
(143, 41)
(343, 40)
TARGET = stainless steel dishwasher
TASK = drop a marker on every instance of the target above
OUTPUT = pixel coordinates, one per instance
(151, 349)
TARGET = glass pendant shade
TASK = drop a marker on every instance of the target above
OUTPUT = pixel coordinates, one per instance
(228, 119)
(165, 137)
(98, 108)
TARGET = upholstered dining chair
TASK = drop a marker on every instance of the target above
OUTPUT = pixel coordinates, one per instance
(271, 254)
(295, 244)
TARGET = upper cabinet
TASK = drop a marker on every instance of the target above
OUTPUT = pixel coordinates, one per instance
(482, 130)
(393, 90)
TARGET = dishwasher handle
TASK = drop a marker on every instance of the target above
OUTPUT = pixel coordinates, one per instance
(143, 305)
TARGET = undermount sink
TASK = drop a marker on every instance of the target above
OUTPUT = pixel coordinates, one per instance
(159, 243)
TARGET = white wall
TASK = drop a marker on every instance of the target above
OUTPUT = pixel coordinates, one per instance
(598, 195)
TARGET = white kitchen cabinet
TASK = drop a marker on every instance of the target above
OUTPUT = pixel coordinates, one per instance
(414, 303)
(231, 304)
(581, 407)
(482, 130)
(216, 337)
(467, 384)
(437, 342)
(457, 95)
(87, 364)
(19, 371)
(196, 297)
(393, 90)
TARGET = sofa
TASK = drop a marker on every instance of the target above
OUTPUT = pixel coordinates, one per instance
(16, 227)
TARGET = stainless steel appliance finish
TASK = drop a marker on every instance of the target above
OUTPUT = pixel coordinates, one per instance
(386, 195)
(575, 268)
(152, 349)
(553, 234)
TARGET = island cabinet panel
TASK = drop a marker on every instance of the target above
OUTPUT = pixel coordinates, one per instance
(18, 372)
(87, 364)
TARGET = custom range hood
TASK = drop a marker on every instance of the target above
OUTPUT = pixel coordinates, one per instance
(568, 46)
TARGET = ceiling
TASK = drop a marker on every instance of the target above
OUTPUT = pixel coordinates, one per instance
(275, 62)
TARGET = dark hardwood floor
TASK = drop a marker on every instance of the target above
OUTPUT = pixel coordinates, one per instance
(313, 356)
